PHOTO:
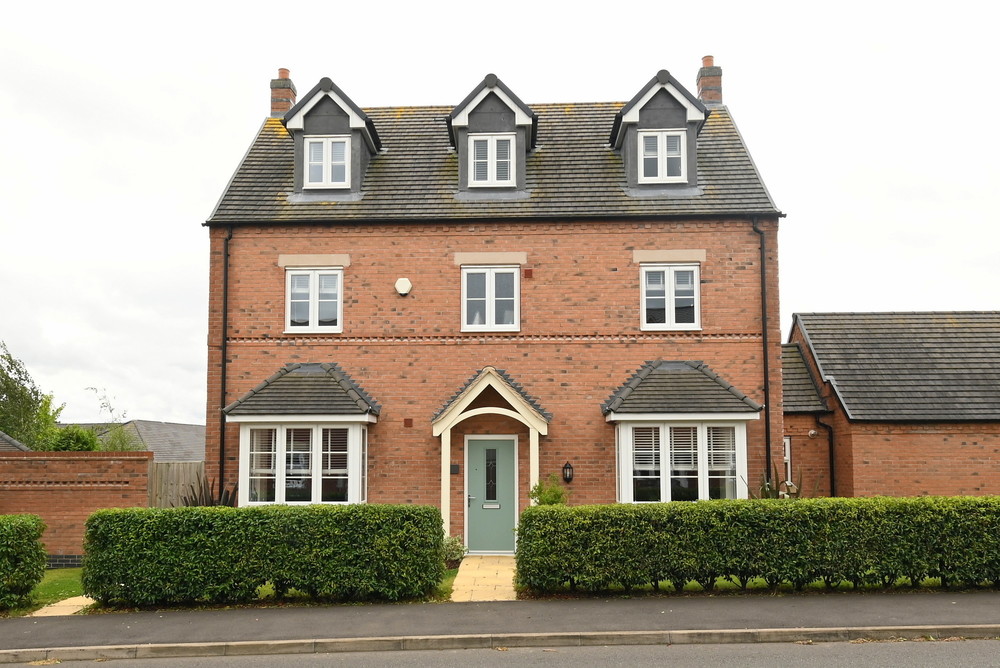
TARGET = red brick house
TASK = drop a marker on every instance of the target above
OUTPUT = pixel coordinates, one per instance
(445, 304)
(898, 404)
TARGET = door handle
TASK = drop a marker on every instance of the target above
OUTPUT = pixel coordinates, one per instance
(470, 500)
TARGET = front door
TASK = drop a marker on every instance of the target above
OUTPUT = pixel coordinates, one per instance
(491, 498)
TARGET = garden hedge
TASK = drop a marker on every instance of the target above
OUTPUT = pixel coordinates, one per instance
(22, 557)
(864, 541)
(154, 556)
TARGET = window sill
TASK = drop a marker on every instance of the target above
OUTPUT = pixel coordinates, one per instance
(669, 328)
(339, 330)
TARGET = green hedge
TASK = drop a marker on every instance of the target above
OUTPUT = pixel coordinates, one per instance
(153, 556)
(22, 557)
(872, 541)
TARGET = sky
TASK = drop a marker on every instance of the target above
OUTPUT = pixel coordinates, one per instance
(870, 122)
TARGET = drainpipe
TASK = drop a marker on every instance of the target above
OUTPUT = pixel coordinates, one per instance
(833, 462)
(224, 350)
(755, 221)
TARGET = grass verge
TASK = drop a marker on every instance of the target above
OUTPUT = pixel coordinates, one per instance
(56, 585)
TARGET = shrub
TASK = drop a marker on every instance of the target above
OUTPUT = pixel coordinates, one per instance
(549, 492)
(876, 541)
(152, 556)
(22, 557)
(453, 550)
(73, 438)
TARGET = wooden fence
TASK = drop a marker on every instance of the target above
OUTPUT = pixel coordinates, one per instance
(174, 480)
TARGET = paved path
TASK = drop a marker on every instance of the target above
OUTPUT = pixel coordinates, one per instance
(485, 578)
(69, 606)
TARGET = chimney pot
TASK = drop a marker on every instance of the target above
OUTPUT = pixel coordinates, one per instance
(706, 61)
(282, 72)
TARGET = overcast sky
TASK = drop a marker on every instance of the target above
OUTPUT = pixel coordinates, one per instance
(871, 123)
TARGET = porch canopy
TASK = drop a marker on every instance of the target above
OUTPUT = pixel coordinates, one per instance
(523, 408)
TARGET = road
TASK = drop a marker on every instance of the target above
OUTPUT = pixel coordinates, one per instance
(930, 654)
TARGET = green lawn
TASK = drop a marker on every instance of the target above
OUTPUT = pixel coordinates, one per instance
(56, 585)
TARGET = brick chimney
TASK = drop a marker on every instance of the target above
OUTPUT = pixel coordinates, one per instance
(710, 81)
(282, 93)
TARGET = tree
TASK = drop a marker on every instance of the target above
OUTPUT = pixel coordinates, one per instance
(26, 413)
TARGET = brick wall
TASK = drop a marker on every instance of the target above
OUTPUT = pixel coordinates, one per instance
(64, 488)
(580, 335)
(810, 454)
(920, 459)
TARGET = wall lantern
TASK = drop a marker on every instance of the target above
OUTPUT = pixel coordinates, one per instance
(568, 472)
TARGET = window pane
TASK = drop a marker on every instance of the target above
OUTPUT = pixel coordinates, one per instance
(684, 297)
(722, 488)
(262, 489)
(503, 284)
(328, 314)
(503, 171)
(504, 312)
(299, 314)
(475, 312)
(673, 145)
(650, 167)
(503, 149)
(646, 464)
(683, 448)
(480, 149)
(300, 286)
(337, 151)
(475, 285)
(315, 173)
(684, 489)
(315, 151)
(338, 174)
(649, 145)
(491, 474)
(335, 490)
(263, 473)
(674, 167)
(328, 286)
(503, 160)
(334, 464)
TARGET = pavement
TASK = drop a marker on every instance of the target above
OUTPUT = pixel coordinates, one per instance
(722, 618)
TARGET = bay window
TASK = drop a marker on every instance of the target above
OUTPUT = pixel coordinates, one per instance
(673, 461)
(303, 463)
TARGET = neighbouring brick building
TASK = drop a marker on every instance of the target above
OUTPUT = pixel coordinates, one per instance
(446, 304)
(897, 404)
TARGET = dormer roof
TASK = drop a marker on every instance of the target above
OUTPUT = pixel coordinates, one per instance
(629, 114)
(294, 119)
(523, 115)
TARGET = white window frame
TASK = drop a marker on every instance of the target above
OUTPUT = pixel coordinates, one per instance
(491, 272)
(661, 156)
(326, 161)
(314, 275)
(670, 296)
(491, 160)
(357, 461)
(624, 437)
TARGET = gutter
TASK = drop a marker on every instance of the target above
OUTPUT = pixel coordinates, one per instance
(755, 223)
(222, 364)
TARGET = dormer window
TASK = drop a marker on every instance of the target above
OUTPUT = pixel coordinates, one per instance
(334, 143)
(663, 158)
(492, 132)
(328, 162)
(657, 136)
(492, 159)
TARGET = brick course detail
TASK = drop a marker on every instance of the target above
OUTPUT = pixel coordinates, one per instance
(64, 488)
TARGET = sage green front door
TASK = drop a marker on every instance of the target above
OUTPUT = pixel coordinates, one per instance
(491, 499)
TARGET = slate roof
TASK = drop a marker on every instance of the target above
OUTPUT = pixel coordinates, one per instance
(798, 387)
(507, 378)
(678, 387)
(11, 444)
(573, 173)
(902, 367)
(306, 389)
